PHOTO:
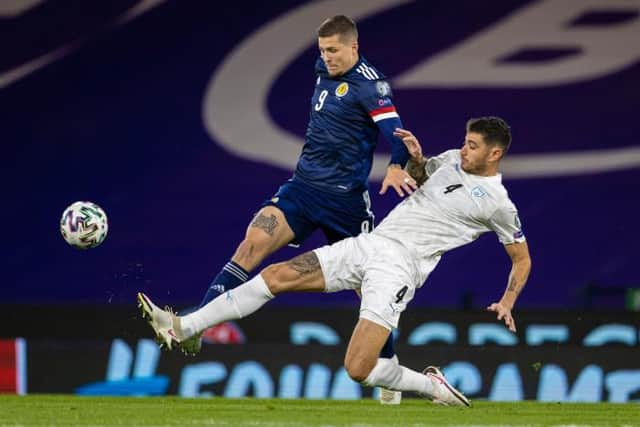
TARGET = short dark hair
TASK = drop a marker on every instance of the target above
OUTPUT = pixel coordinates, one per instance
(494, 130)
(339, 24)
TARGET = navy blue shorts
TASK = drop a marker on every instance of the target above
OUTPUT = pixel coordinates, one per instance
(307, 209)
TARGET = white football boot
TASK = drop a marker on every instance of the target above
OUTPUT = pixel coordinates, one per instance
(444, 393)
(165, 323)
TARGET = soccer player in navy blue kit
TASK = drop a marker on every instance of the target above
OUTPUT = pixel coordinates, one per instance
(350, 106)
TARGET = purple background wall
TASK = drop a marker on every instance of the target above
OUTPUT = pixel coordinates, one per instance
(114, 110)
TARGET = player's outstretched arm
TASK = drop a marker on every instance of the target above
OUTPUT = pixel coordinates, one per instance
(520, 268)
(416, 163)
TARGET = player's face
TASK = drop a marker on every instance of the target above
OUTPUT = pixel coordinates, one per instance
(339, 54)
(478, 158)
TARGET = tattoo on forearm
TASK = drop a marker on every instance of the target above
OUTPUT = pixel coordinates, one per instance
(306, 263)
(268, 224)
(417, 171)
(513, 287)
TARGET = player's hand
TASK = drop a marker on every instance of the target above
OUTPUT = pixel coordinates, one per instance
(411, 142)
(504, 314)
(399, 179)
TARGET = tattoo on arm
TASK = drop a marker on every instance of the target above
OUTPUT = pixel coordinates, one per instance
(417, 170)
(306, 263)
(268, 224)
(513, 287)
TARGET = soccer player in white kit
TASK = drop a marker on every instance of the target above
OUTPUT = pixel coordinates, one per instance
(461, 197)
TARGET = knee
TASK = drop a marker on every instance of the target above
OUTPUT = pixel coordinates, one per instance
(358, 370)
(276, 278)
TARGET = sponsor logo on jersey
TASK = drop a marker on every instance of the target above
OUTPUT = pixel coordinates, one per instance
(518, 234)
(383, 88)
(275, 199)
(383, 102)
(478, 192)
(342, 89)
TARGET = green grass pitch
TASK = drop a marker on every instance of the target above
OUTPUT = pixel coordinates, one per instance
(63, 410)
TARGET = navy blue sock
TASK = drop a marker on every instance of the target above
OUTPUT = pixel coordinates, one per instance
(231, 276)
(388, 350)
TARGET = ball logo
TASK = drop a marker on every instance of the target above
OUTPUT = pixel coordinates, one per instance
(342, 89)
(84, 225)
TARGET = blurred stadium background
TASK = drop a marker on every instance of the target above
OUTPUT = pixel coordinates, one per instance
(180, 118)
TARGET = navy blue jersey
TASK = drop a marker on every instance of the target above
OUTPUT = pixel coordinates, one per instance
(343, 128)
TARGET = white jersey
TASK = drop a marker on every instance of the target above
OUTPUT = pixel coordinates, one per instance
(451, 209)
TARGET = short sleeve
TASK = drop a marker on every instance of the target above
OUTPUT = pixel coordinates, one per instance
(506, 224)
(434, 163)
(376, 98)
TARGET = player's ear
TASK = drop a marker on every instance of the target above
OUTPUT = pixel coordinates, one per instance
(496, 154)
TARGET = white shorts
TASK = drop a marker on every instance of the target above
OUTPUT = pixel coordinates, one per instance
(379, 267)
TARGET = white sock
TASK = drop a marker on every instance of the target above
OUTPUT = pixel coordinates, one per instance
(391, 376)
(233, 304)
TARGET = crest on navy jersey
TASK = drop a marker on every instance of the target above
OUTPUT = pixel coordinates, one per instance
(383, 88)
(342, 89)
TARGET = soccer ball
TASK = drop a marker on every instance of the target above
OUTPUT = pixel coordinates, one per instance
(84, 225)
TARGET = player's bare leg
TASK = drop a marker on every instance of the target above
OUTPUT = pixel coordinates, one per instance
(364, 347)
(300, 274)
(267, 232)
(363, 365)
(386, 396)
